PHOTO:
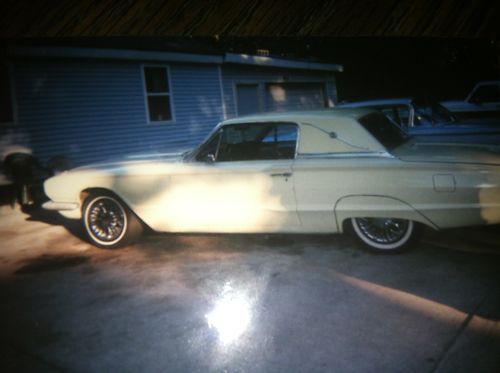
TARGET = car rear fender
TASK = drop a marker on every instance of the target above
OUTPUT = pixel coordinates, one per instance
(375, 206)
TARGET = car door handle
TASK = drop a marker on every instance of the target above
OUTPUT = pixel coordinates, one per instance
(282, 174)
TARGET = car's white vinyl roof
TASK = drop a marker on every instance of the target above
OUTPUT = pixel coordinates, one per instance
(300, 116)
(323, 131)
(381, 102)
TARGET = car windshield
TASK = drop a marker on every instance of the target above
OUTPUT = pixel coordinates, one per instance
(386, 132)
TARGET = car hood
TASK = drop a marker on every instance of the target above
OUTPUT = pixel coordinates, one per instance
(442, 152)
(131, 161)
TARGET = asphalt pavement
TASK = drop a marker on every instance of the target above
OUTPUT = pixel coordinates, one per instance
(245, 303)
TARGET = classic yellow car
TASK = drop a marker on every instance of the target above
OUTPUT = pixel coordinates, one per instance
(299, 172)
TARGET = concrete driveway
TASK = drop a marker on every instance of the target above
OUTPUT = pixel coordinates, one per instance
(251, 303)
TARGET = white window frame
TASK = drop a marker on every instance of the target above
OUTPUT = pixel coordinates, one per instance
(169, 94)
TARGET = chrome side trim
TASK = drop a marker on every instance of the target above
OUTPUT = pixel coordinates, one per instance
(60, 206)
(345, 155)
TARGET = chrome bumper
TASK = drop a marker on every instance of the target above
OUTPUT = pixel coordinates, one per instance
(60, 206)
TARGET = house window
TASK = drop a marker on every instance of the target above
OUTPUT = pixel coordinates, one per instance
(158, 94)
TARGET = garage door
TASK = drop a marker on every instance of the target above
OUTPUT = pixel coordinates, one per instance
(247, 99)
(294, 96)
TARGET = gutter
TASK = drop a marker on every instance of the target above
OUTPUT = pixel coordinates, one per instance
(114, 54)
(163, 57)
(246, 59)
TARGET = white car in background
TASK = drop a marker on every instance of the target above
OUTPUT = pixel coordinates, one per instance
(298, 172)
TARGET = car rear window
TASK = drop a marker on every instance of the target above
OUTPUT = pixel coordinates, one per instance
(386, 132)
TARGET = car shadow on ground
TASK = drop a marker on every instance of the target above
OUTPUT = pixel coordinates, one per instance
(46, 263)
(7, 195)
(431, 274)
(450, 255)
(197, 246)
(37, 213)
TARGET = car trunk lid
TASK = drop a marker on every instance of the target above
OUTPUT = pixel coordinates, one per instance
(442, 152)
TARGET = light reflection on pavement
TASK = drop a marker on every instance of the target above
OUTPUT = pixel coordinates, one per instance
(242, 303)
(231, 315)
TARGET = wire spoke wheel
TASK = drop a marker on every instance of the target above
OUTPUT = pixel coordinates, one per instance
(384, 234)
(384, 231)
(108, 222)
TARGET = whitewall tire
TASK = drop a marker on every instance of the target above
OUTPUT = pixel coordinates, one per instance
(108, 221)
(386, 235)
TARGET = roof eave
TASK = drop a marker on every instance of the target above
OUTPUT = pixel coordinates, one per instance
(246, 59)
(158, 56)
(117, 54)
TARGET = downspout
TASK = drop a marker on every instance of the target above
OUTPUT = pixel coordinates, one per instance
(221, 87)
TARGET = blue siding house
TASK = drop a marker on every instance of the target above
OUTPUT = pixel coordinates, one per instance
(95, 104)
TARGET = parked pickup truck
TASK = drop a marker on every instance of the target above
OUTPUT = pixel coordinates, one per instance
(482, 101)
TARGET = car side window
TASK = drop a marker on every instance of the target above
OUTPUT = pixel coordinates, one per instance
(486, 93)
(257, 141)
(389, 112)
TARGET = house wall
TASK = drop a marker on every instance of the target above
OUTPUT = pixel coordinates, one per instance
(234, 74)
(92, 111)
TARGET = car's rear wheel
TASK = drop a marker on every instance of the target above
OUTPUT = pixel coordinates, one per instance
(109, 223)
(386, 235)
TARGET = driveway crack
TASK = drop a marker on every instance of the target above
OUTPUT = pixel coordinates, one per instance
(457, 335)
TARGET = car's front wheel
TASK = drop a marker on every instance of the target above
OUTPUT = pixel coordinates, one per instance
(109, 223)
(386, 235)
